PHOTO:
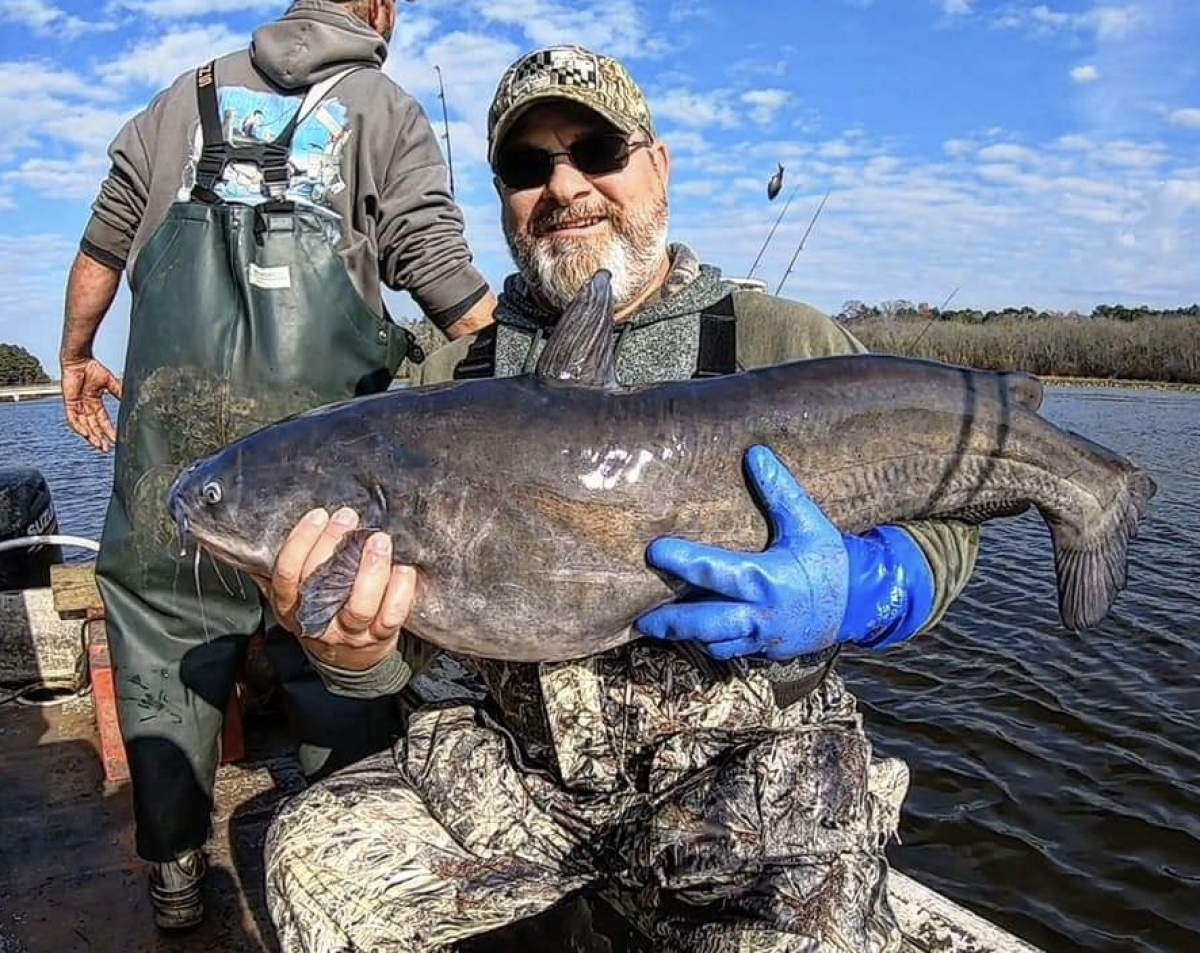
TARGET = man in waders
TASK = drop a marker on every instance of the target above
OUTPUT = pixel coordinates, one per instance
(711, 782)
(255, 264)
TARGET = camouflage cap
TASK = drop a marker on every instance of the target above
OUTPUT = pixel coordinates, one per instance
(572, 73)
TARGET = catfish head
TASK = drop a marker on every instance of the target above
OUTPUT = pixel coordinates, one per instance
(241, 502)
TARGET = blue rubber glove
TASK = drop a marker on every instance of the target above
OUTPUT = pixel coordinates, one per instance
(812, 588)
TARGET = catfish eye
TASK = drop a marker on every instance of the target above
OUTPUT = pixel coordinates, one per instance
(211, 493)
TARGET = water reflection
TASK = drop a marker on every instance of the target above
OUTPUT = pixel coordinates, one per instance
(1056, 776)
(35, 434)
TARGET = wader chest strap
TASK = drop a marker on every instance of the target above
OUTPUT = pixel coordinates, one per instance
(270, 157)
(718, 340)
(480, 359)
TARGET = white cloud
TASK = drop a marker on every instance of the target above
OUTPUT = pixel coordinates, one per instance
(78, 177)
(47, 20)
(85, 126)
(20, 78)
(687, 12)
(1085, 74)
(697, 187)
(1130, 154)
(1008, 20)
(33, 14)
(1184, 192)
(471, 64)
(155, 61)
(1007, 152)
(1045, 17)
(1102, 22)
(43, 103)
(836, 149)
(1043, 227)
(955, 8)
(881, 166)
(694, 109)
(617, 27)
(683, 142)
(182, 9)
(1112, 23)
(1075, 143)
(760, 66)
(1189, 118)
(765, 103)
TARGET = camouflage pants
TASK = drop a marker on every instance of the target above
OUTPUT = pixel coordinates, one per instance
(746, 841)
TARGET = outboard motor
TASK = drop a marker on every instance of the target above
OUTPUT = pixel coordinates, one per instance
(26, 510)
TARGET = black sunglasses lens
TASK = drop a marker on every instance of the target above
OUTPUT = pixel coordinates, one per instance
(597, 155)
(531, 168)
(524, 168)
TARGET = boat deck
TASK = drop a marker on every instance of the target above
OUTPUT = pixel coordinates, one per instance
(69, 877)
(70, 881)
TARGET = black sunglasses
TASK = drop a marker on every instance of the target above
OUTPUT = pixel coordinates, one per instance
(525, 167)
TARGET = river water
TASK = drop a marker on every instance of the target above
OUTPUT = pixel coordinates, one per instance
(1056, 777)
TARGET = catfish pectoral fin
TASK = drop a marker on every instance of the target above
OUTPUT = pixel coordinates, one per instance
(1092, 570)
(327, 589)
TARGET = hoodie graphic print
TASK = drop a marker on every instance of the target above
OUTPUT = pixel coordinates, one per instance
(250, 116)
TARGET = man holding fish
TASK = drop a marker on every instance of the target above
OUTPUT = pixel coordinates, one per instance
(712, 781)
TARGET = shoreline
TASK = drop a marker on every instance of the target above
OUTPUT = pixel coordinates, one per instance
(1115, 382)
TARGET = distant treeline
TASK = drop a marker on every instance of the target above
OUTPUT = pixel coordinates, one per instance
(1113, 341)
(18, 367)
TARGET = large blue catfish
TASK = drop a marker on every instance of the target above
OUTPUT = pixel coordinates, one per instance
(526, 503)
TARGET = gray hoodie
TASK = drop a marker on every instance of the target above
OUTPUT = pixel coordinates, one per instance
(366, 159)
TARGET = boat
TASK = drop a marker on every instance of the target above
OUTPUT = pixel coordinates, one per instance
(70, 879)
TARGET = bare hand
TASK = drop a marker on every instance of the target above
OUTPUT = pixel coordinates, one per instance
(84, 384)
(368, 625)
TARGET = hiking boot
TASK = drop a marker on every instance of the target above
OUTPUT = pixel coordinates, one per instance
(175, 891)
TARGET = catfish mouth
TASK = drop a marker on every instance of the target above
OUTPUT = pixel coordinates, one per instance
(244, 558)
(222, 546)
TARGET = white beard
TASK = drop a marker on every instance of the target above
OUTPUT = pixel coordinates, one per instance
(556, 268)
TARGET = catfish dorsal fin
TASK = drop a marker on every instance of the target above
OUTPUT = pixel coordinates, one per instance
(581, 348)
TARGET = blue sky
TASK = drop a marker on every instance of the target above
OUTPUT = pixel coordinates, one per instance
(1024, 153)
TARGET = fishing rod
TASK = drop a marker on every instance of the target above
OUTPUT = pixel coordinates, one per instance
(771, 233)
(929, 323)
(446, 127)
(800, 247)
